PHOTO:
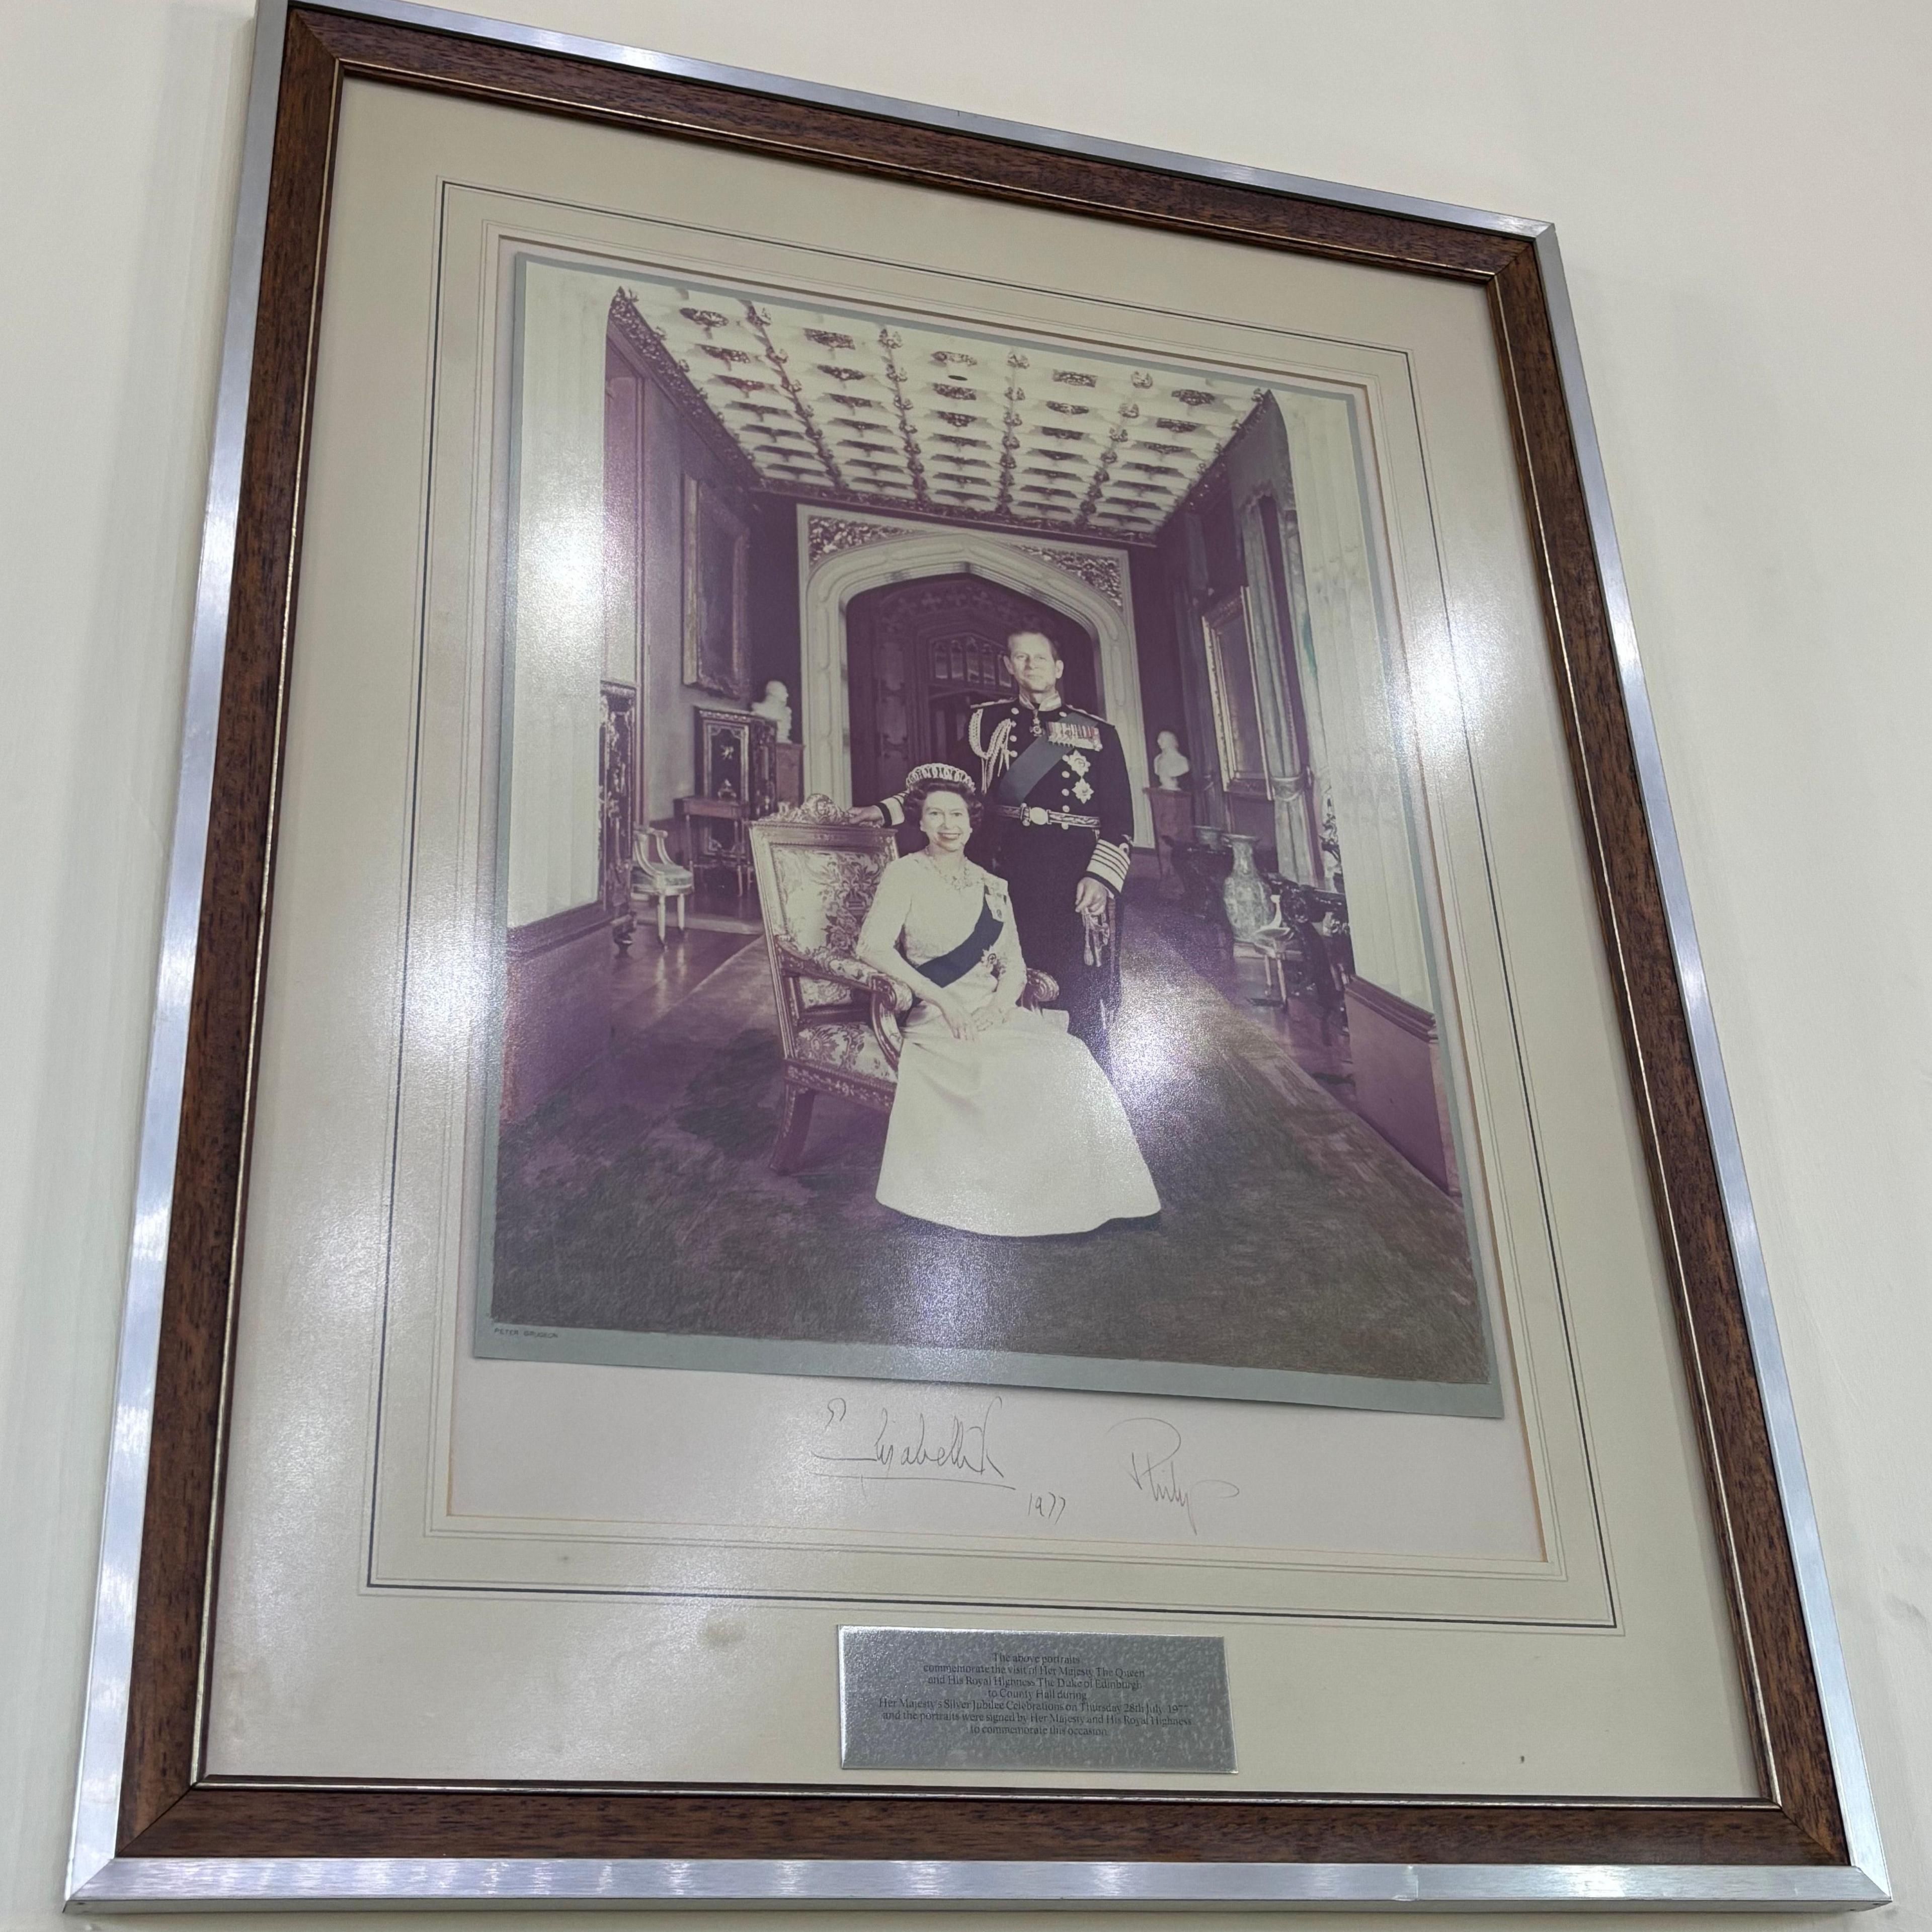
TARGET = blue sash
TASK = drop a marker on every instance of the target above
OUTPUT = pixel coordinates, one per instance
(967, 954)
(1027, 770)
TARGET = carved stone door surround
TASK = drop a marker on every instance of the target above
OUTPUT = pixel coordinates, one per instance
(840, 555)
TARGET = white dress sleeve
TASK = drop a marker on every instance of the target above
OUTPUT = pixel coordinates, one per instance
(892, 901)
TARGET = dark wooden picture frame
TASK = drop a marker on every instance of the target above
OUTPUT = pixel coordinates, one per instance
(171, 1810)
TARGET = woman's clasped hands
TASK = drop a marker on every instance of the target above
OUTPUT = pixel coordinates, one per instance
(964, 1022)
(958, 1017)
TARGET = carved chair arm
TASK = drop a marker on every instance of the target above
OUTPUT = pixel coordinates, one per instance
(887, 1012)
(1042, 989)
(815, 963)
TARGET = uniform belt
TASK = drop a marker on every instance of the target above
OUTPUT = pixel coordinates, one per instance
(1039, 814)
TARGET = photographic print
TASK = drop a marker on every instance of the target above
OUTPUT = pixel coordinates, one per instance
(953, 1070)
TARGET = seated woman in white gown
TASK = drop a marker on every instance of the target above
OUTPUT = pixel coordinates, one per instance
(1003, 1122)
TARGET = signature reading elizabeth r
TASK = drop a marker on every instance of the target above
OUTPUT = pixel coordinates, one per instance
(906, 1444)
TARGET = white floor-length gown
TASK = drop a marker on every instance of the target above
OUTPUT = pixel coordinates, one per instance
(1014, 1131)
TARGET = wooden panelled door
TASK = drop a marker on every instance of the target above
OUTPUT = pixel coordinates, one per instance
(921, 654)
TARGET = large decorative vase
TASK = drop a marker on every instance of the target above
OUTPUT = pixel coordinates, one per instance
(1243, 894)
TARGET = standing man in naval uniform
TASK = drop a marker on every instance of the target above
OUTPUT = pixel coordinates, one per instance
(1058, 828)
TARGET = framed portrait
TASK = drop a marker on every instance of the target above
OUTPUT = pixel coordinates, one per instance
(991, 1365)
(1229, 666)
(716, 575)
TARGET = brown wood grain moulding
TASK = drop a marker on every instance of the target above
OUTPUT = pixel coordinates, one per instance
(170, 1809)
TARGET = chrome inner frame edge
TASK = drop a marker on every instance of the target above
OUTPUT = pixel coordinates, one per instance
(161, 1884)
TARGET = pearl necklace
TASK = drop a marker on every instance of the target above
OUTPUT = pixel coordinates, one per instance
(962, 878)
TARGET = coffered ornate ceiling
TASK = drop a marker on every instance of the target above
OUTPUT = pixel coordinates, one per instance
(908, 415)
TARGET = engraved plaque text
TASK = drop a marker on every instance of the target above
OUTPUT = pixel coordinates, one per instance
(1019, 1700)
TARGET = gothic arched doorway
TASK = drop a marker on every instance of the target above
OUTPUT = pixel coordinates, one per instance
(920, 655)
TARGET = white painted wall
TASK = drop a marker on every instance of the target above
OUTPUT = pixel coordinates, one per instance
(1346, 690)
(558, 619)
(1740, 186)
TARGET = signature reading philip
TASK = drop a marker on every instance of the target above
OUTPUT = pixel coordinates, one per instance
(1152, 1448)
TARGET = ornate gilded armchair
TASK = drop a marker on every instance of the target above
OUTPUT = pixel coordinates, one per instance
(839, 1020)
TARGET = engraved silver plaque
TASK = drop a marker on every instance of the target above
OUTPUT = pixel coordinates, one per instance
(1020, 1700)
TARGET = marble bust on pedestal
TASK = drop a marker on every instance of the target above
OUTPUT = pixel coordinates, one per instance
(1171, 764)
(776, 705)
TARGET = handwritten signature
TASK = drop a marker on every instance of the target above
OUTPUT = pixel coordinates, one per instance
(1153, 1449)
(908, 1446)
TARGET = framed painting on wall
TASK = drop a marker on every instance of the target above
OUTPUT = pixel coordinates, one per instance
(917, 1385)
(716, 575)
(1231, 684)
